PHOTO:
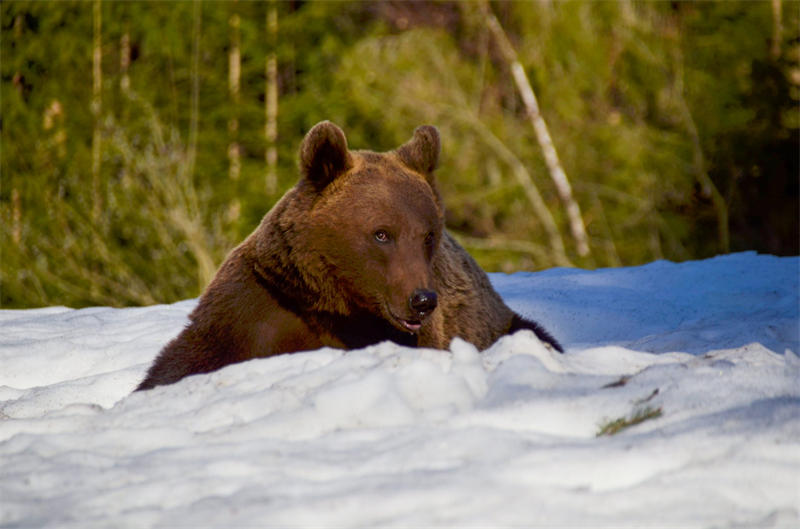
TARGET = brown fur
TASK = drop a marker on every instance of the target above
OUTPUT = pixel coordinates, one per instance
(314, 274)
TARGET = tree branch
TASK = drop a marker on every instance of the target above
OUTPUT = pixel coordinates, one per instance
(557, 173)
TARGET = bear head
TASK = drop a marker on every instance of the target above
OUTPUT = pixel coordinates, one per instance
(370, 226)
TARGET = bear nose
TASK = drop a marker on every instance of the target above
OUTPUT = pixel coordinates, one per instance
(422, 301)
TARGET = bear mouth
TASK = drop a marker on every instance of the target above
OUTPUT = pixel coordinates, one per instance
(408, 325)
(411, 325)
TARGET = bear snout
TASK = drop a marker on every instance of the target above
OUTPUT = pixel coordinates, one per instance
(422, 302)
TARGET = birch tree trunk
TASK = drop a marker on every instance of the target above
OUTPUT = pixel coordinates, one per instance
(125, 61)
(777, 29)
(234, 81)
(125, 88)
(96, 107)
(16, 216)
(271, 101)
(197, 20)
(524, 179)
(554, 167)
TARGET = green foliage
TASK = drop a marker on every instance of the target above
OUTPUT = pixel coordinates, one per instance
(675, 123)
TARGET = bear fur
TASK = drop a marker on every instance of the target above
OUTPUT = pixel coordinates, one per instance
(355, 254)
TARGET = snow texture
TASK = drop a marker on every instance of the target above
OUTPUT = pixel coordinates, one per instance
(391, 436)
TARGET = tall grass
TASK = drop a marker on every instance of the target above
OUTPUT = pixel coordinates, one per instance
(157, 239)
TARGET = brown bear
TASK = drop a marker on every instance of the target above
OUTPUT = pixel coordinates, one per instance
(354, 254)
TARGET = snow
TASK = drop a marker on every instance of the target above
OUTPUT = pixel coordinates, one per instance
(391, 436)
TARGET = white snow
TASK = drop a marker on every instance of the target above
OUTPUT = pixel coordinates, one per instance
(391, 436)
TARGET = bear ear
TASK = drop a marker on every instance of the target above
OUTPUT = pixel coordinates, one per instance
(421, 152)
(324, 154)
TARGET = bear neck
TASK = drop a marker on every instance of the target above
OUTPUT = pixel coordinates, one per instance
(297, 277)
(276, 270)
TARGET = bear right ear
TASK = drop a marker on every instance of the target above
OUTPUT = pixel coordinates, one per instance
(421, 152)
(324, 154)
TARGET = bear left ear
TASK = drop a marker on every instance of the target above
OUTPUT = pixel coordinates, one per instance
(324, 154)
(421, 152)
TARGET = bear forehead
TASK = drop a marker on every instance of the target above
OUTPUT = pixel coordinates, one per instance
(381, 181)
(371, 168)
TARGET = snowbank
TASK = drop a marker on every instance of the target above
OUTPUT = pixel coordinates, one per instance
(705, 353)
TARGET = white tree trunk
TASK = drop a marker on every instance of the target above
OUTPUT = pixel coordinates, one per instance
(96, 106)
(271, 102)
(554, 167)
(234, 80)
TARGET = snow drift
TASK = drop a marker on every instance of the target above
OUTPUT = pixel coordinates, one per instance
(704, 354)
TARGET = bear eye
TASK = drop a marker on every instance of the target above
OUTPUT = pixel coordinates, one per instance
(382, 236)
(429, 239)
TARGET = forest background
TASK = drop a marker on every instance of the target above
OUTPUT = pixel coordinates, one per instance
(141, 141)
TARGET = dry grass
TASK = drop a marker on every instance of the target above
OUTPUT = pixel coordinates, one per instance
(613, 427)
